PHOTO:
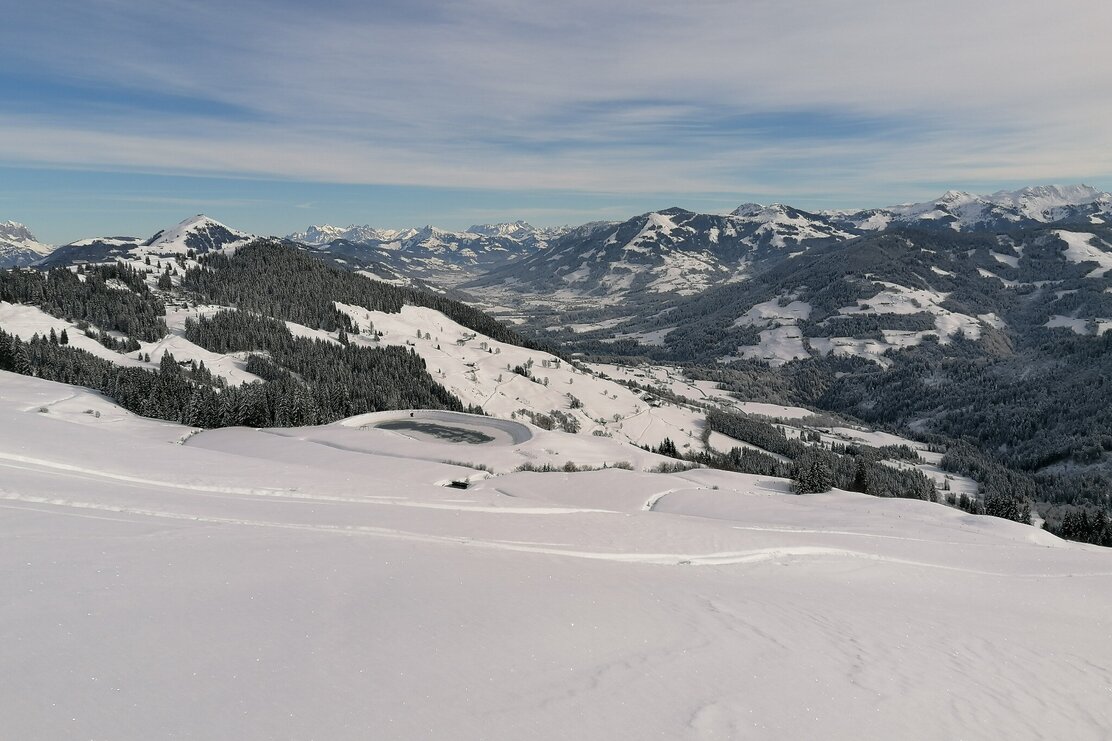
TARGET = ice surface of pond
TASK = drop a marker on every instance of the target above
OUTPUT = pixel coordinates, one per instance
(437, 430)
(442, 426)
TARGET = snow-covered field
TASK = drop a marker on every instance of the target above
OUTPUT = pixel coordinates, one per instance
(1080, 249)
(325, 583)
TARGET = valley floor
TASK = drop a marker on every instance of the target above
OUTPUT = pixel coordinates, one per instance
(326, 583)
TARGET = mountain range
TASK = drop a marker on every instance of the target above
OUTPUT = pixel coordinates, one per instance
(681, 252)
(980, 319)
(429, 254)
(719, 242)
(625, 283)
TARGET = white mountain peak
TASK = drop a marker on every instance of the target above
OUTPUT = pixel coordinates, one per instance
(18, 246)
(517, 228)
(193, 224)
(747, 209)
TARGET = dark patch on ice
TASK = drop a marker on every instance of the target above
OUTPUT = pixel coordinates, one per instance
(444, 432)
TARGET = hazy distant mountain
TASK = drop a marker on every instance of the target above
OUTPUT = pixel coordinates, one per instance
(429, 253)
(325, 233)
(960, 211)
(18, 246)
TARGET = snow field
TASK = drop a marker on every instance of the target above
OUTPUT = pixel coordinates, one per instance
(1080, 249)
(277, 584)
(1080, 325)
(771, 312)
(687, 273)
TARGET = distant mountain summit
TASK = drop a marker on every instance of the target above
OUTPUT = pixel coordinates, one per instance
(325, 233)
(19, 247)
(430, 253)
(1005, 209)
(517, 229)
(198, 235)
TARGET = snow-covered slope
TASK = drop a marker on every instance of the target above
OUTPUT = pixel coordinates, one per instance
(783, 226)
(18, 246)
(475, 368)
(26, 321)
(324, 583)
(1082, 247)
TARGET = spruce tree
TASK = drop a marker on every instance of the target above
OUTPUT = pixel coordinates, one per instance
(812, 473)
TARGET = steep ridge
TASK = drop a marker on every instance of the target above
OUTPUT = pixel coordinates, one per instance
(18, 246)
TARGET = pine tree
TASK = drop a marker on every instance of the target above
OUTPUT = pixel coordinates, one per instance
(812, 473)
(668, 448)
(168, 366)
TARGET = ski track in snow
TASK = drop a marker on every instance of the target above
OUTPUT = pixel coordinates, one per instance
(295, 589)
(70, 471)
(724, 558)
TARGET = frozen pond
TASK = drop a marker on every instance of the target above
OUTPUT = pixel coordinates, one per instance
(440, 426)
(438, 430)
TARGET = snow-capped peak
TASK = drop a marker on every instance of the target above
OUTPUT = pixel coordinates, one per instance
(781, 224)
(14, 233)
(324, 233)
(198, 233)
(755, 212)
(18, 245)
(319, 234)
(1044, 202)
(960, 210)
(746, 210)
(955, 197)
(515, 229)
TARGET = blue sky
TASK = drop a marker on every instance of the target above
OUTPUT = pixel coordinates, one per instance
(123, 117)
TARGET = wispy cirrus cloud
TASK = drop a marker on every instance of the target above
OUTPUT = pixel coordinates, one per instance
(834, 101)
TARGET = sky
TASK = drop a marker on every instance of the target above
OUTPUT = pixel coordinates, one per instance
(126, 116)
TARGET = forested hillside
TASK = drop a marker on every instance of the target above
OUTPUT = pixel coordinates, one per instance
(277, 280)
(306, 380)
